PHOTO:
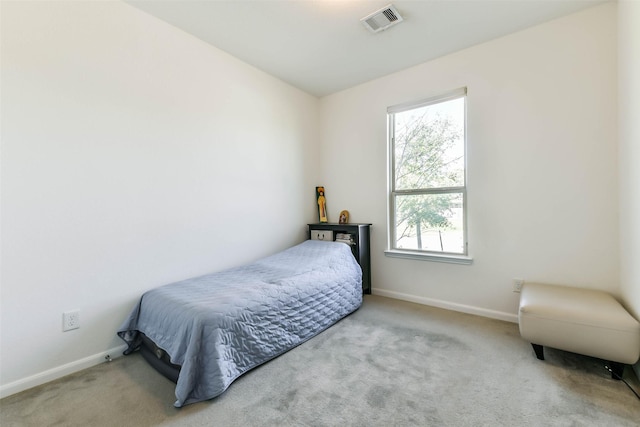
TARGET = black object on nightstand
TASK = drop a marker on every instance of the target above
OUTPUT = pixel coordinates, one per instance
(360, 246)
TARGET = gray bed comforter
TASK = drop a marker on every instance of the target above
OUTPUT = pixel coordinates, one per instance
(219, 326)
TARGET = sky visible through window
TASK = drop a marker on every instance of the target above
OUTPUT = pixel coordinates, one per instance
(429, 146)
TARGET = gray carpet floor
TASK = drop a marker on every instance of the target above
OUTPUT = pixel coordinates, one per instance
(391, 363)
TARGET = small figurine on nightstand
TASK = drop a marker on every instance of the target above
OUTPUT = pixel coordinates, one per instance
(322, 204)
(344, 217)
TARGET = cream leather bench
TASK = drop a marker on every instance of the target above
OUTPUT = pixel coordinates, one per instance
(583, 321)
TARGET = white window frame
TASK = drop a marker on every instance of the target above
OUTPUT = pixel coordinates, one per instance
(458, 258)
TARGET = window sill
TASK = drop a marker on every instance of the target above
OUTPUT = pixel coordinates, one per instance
(450, 258)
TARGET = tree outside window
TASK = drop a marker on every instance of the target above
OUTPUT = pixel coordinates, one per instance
(427, 175)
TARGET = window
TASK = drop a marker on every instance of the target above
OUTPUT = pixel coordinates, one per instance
(427, 178)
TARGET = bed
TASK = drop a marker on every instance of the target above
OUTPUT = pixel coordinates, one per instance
(205, 332)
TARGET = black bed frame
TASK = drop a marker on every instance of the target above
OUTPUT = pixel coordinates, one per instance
(159, 359)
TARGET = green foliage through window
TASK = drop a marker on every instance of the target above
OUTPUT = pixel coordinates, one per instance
(427, 182)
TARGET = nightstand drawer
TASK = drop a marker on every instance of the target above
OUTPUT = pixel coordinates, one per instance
(322, 235)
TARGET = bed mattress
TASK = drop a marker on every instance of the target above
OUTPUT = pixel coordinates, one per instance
(218, 326)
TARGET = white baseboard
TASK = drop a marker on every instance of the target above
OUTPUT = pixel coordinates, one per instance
(59, 372)
(508, 317)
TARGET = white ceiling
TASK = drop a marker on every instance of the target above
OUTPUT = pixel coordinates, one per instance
(321, 47)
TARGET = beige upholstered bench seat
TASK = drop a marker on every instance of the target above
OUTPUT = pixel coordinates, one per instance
(583, 321)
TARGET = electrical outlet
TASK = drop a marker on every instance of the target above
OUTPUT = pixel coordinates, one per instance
(70, 320)
(517, 285)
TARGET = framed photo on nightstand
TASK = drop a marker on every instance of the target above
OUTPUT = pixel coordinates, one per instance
(344, 217)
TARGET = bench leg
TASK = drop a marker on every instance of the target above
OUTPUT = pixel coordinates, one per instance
(616, 370)
(539, 351)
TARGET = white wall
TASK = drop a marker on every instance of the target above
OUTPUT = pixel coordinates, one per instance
(629, 112)
(132, 155)
(542, 164)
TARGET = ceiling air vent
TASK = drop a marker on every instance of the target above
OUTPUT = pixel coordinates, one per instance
(382, 19)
